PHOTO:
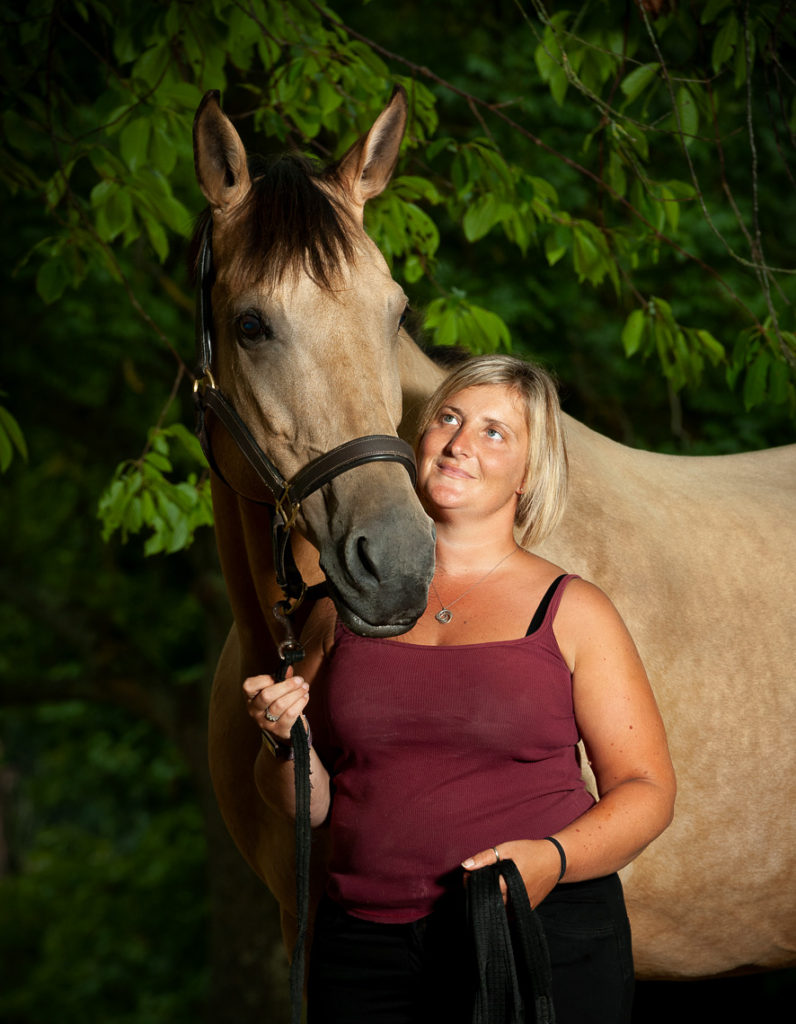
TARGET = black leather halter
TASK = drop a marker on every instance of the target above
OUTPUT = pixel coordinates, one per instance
(287, 494)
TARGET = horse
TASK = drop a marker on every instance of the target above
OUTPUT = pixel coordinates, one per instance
(312, 351)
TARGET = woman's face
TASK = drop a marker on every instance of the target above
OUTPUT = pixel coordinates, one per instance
(473, 455)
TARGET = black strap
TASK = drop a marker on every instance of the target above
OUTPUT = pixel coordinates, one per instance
(301, 751)
(514, 973)
(289, 655)
(544, 604)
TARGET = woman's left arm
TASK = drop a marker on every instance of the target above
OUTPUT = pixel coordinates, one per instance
(626, 744)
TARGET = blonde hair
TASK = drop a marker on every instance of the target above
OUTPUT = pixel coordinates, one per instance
(544, 495)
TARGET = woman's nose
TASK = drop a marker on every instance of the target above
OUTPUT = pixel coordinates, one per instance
(459, 443)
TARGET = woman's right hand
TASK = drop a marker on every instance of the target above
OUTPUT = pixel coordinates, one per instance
(276, 706)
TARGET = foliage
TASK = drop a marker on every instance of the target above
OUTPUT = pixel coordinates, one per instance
(11, 438)
(684, 120)
(83, 935)
(142, 495)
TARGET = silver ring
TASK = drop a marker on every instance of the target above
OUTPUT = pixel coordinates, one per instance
(497, 855)
(269, 716)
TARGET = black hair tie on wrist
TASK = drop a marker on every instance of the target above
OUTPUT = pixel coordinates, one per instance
(561, 854)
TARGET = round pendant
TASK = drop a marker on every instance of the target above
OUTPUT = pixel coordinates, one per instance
(443, 616)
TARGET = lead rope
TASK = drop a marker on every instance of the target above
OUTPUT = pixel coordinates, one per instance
(301, 769)
(290, 652)
(513, 976)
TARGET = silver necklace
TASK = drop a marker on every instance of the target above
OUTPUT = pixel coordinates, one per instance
(444, 615)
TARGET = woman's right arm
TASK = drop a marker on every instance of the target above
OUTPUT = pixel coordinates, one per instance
(286, 701)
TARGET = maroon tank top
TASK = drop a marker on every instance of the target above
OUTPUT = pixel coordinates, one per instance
(437, 753)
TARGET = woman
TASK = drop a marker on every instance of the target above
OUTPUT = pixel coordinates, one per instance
(441, 751)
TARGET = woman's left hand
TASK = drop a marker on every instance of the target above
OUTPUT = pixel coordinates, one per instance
(537, 861)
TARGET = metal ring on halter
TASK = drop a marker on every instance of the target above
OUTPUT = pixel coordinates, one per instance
(206, 380)
(287, 508)
(497, 855)
(274, 718)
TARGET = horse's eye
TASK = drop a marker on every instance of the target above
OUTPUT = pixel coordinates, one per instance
(252, 328)
(404, 315)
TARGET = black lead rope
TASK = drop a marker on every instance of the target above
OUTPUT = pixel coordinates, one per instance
(514, 973)
(301, 750)
(289, 654)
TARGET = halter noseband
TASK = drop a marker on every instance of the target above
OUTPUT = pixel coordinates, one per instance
(287, 494)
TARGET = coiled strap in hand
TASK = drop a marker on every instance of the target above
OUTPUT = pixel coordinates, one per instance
(513, 976)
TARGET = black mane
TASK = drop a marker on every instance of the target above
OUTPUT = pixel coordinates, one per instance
(287, 224)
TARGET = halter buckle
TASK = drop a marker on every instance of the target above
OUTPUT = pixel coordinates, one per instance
(286, 508)
(206, 380)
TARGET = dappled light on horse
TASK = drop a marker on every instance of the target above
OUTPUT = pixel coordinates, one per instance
(695, 553)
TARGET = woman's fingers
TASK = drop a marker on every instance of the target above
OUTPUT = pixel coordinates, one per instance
(276, 706)
(482, 859)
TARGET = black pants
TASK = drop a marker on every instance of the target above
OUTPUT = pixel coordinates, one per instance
(423, 972)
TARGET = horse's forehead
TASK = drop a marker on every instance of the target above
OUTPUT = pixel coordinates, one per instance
(364, 279)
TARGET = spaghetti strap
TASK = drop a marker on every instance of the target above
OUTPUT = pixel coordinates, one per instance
(544, 604)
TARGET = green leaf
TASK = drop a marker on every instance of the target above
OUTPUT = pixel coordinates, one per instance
(743, 63)
(713, 347)
(480, 217)
(11, 431)
(6, 451)
(671, 208)
(162, 150)
(778, 382)
(52, 279)
(616, 173)
(633, 331)
(159, 461)
(712, 9)
(134, 142)
(637, 81)
(409, 186)
(687, 115)
(491, 330)
(724, 44)
(118, 212)
(557, 243)
(754, 388)
(157, 236)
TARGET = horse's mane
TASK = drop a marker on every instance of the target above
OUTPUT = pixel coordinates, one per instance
(287, 224)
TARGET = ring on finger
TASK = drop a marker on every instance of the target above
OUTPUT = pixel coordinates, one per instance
(269, 716)
(497, 855)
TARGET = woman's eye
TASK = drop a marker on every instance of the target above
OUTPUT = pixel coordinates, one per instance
(251, 328)
(491, 432)
(447, 417)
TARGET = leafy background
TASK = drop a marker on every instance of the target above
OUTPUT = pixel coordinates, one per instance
(606, 187)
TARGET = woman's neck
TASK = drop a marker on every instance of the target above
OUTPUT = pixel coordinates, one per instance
(463, 551)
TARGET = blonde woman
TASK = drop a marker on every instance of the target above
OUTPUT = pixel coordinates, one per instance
(443, 750)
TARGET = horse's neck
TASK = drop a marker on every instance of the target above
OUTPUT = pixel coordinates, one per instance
(419, 377)
(243, 539)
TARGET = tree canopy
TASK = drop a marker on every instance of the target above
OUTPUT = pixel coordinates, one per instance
(607, 188)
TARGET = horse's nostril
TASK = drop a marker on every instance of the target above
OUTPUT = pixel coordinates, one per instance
(364, 558)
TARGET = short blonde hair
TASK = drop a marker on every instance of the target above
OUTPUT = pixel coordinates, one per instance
(544, 496)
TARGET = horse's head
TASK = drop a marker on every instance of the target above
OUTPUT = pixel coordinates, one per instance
(306, 321)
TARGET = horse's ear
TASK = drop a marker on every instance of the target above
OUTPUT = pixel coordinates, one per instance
(219, 156)
(367, 167)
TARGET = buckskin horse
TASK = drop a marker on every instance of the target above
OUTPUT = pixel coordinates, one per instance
(304, 338)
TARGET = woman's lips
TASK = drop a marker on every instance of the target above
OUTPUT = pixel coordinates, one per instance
(449, 469)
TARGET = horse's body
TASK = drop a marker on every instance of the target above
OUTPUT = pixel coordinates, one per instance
(697, 553)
